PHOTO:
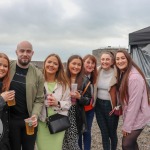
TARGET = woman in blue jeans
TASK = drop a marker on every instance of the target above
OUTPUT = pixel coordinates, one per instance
(90, 72)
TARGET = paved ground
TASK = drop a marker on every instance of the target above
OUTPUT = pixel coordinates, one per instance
(143, 140)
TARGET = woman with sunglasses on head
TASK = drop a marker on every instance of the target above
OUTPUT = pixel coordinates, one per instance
(5, 96)
(90, 72)
(80, 97)
(134, 97)
(106, 100)
(57, 100)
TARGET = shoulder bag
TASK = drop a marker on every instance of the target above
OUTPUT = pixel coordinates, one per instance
(57, 122)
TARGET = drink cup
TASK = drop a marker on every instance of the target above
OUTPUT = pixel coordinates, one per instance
(29, 126)
(11, 102)
(74, 87)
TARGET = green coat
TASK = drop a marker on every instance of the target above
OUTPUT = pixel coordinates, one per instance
(34, 88)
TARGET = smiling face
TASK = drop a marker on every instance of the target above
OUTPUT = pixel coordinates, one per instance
(3, 67)
(89, 65)
(51, 65)
(121, 61)
(106, 61)
(75, 66)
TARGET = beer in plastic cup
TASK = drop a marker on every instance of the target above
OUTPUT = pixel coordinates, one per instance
(11, 102)
(29, 126)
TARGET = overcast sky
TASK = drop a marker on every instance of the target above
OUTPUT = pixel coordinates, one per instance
(69, 27)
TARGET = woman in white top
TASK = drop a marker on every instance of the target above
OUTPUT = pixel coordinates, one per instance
(105, 93)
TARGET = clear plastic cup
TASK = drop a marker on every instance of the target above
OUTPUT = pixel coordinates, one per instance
(29, 126)
(11, 102)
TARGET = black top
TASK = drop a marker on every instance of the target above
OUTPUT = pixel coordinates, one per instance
(18, 83)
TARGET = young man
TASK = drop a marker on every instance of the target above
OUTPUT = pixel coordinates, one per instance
(28, 83)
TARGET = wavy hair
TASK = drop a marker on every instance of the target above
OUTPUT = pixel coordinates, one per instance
(6, 78)
(79, 76)
(60, 74)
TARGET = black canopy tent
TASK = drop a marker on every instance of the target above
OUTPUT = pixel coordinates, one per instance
(139, 47)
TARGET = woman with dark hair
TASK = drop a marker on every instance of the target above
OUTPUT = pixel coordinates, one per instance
(5, 96)
(134, 97)
(57, 100)
(90, 73)
(106, 100)
(79, 99)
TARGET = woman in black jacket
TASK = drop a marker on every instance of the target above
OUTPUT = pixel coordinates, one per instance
(5, 96)
(90, 73)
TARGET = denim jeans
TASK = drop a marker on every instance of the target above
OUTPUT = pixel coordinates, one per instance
(86, 136)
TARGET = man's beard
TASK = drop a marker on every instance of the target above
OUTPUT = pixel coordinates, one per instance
(24, 63)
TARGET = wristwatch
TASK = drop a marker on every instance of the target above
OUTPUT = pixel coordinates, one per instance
(58, 103)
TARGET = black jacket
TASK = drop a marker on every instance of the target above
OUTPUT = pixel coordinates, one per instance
(84, 100)
(4, 126)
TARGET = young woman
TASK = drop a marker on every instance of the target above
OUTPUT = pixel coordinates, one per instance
(134, 97)
(105, 93)
(90, 72)
(57, 100)
(77, 117)
(5, 96)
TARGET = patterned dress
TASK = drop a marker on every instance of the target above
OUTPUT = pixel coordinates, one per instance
(71, 135)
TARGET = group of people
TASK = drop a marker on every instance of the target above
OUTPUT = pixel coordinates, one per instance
(117, 81)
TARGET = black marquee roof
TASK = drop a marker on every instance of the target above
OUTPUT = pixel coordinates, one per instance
(140, 37)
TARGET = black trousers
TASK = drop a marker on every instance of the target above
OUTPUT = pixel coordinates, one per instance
(18, 137)
(107, 124)
(4, 144)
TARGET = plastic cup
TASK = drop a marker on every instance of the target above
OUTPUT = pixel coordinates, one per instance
(29, 126)
(11, 102)
(74, 87)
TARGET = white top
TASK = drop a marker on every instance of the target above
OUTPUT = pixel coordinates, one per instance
(104, 83)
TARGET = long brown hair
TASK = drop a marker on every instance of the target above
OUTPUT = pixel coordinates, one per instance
(60, 74)
(6, 78)
(79, 76)
(124, 95)
(94, 72)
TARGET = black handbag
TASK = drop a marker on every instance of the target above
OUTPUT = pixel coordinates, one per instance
(57, 122)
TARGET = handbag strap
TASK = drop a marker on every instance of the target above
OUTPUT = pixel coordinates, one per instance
(46, 112)
(86, 88)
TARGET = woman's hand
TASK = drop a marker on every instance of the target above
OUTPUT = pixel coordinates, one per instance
(51, 101)
(125, 133)
(75, 94)
(8, 95)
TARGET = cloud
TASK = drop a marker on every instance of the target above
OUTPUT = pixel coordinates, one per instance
(68, 27)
